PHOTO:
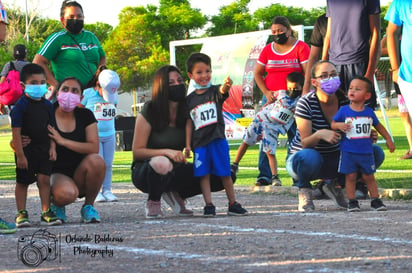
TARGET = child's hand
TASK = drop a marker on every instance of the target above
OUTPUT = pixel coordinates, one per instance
(227, 84)
(22, 163)
(188, 152)
(390, 145)
(52, 154)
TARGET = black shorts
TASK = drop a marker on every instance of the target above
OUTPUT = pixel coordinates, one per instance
(38, 163)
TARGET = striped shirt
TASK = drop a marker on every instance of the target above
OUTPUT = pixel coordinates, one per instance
(309, 108)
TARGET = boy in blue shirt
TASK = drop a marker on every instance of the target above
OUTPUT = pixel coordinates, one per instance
(31, 116)
(205, 132)
(355, 121)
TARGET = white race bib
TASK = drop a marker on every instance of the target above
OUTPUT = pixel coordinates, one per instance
(204, 115)
(361, 127)
(104, 111)
(281, 114)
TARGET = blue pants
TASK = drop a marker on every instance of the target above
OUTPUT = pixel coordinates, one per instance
(107, 145)
(308, 164)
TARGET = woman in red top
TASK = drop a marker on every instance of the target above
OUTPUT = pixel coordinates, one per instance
(284, 55)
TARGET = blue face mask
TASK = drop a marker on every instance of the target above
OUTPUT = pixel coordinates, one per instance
(197, 86)
(35, 91)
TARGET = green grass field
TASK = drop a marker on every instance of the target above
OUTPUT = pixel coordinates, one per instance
(393, 173)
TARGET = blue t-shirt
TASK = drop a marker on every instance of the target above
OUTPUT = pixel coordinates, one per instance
(103, 111)
(350, 30)
(400, 14)
(358, 139)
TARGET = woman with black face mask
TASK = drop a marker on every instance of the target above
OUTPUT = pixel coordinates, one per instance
(71, 51)
(284, 55)
(159, 166)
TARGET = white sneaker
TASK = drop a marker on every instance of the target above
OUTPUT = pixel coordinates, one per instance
(109, 196)
(100, 198)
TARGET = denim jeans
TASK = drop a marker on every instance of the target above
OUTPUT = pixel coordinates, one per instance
(308, 164)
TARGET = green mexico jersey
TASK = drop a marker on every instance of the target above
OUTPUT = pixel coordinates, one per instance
(68, 52)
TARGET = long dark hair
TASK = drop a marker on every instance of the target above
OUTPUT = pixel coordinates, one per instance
(158, 110)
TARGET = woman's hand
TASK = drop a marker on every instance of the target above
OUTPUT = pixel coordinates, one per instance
(329, 136)
(54, 134)
(176, 156)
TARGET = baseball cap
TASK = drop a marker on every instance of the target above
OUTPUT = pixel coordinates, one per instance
(3, 15)
(19, 51)
(109, 82)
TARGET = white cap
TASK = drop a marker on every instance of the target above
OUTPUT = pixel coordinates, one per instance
(110, 82)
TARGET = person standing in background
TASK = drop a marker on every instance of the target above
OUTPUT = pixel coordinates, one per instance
(5, 227)
(72, 52)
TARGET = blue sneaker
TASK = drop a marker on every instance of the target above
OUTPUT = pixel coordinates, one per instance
(6, 227)
(60, 212)
(89, 214)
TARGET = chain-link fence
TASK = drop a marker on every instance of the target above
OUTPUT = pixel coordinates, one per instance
(385, 85)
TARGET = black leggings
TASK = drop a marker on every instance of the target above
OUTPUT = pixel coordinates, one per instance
(180, 179)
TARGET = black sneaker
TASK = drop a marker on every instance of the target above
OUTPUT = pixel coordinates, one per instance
(236, 210)
(353, 205)
(276, 181)
(377, 205)
(262, 182)
(209, 210)
(234, 167)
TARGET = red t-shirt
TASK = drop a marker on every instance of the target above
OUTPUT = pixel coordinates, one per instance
(279, 65)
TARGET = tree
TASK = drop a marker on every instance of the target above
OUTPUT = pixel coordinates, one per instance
(233, 18)
(140, 43)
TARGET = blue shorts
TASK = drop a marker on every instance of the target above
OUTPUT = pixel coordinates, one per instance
(351, 162)
(212, 158)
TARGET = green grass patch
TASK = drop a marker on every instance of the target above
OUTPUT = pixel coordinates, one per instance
(393, 173)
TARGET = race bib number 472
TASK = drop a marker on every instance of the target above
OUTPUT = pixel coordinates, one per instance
(204, 115)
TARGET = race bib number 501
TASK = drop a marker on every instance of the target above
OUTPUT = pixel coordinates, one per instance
(204, 115)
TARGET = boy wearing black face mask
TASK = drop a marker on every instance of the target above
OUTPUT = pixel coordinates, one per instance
(30, 117)
(71, 51)
(272, 119)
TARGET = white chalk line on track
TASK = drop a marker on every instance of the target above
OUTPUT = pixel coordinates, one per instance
(238, 229)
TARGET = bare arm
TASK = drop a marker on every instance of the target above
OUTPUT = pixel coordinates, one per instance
(142, 132)
(18, 148)
(51, 80)
(326, 42)
(91, 146)
(314, 56)
(393, 33)
(102, 61)
(384, 48)
(2, 79)
(258, 75)
(385, 134)
(189, 130)
(225, 87)
(374, 50)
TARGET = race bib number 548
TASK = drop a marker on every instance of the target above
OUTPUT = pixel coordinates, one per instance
(204, 115)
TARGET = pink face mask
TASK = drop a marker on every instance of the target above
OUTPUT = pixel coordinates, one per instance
(68, 101)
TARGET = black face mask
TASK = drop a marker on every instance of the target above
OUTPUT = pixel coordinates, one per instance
(280, 38)
(74, 26)
(293, 94)
(177, 93)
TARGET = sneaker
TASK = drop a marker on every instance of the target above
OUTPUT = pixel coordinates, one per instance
(153, 209)
(89, 214)
(48, 218)
(6, 227)
(377, 205)
(236, 210)
(176, 203)
(209, 210)
(100, 198)
(334, 192)
(234, 167)
(317, 192)
(262, 182)
(22, 219)
(305, 200)
(276, 181)
(60, 212)
(353, 206)
(408, 155)
(361, 190)
(109, 196)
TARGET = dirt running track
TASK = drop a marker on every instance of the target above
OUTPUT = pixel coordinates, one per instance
(273, 238)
